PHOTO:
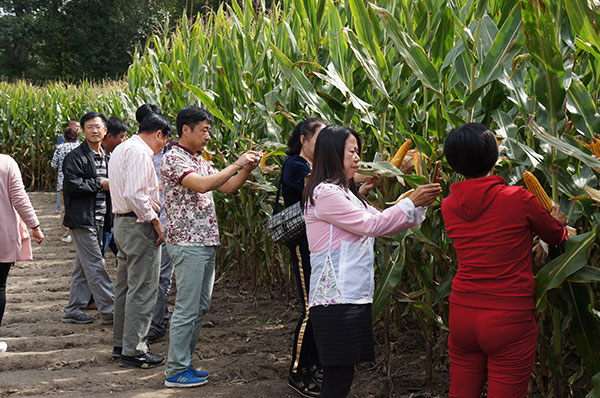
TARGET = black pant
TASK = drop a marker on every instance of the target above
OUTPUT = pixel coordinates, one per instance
(337, 381)
(304, 351)
(4, 268)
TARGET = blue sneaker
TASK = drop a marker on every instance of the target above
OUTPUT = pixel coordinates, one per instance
(184, 379)
(203, 374)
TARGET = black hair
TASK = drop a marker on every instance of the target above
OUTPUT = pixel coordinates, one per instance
(115, 126)
(305, 128)
(70, 134)
(89, 116)
(145, 110)
(190, 116)
(155, 122)
(471, 150)
(328, 161)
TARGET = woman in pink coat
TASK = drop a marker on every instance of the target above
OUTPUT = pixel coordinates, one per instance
(16, 214)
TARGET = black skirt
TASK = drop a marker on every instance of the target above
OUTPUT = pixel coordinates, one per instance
(343, 333)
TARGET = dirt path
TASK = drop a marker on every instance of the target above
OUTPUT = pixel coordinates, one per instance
(244, 343)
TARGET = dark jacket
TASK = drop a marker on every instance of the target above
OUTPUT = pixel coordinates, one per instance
(81, 184)
(295, 169)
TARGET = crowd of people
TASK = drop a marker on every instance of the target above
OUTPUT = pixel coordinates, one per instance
(150, 200)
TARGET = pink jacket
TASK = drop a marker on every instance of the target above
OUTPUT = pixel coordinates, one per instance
(341, 231)
(16, 214)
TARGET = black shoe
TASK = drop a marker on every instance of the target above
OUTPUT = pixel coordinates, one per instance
(154, 336)
(117, 352)
(143, 361)
(317, 372)
(304, 384)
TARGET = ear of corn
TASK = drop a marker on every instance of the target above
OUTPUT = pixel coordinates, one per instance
(533, 185)
(417, 161)
(399, 156)
(595, 146)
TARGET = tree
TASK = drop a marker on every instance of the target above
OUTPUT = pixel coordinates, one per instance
(70, 40)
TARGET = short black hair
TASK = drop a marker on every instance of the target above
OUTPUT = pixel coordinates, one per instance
(70, 135)
(145, 110)
(115, 126)
(471, 150)
(91, 115)
(155, 122)
(305, 128)
(192, 115)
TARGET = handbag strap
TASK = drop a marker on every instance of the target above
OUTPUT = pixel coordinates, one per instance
(279, 190)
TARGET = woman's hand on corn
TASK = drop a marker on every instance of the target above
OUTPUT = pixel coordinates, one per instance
(371, 182)
(425, 195)
(559, 215)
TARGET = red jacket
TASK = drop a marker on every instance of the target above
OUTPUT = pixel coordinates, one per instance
(492, 227)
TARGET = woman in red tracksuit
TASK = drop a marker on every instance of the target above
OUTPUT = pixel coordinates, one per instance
(493, 331)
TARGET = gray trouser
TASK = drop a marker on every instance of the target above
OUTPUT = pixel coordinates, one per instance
(194, 276)
(137, 282)
(160, 319)
(89, 275)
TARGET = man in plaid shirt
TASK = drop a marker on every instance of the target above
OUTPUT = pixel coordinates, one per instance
(71, 142)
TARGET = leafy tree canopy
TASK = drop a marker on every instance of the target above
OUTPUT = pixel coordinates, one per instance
(74, 39)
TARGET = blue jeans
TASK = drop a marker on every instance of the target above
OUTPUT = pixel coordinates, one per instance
(109, 242)
(194, 268)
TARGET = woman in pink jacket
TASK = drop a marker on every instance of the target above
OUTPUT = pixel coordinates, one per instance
(341, 227)
(16, 214)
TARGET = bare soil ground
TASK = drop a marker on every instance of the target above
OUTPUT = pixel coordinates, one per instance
(244, 344)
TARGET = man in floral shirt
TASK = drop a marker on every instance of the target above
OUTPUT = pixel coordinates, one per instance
(193, 234)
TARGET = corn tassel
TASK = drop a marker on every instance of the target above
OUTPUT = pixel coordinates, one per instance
(533, 185)
(399, 156)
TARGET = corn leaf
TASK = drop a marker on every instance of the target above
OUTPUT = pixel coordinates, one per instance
(390, 278)
(572, 260)
(585, 328)
(582, 108)
(209, 103)
(413, 54)
(562, 145)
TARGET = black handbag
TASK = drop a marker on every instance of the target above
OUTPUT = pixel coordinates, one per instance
(287, 225)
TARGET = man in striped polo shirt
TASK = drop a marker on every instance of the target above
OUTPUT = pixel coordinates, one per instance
(85, 187)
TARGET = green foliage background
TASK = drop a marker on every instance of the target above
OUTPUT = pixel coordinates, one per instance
(392, 69)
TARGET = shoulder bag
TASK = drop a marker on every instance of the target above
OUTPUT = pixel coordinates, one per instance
(287, 225)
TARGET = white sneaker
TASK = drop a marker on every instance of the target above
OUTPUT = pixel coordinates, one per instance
(3, 346)
(67, 239)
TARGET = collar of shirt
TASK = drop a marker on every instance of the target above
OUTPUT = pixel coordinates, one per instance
(188, 150)
(139, 141)
(92, 152)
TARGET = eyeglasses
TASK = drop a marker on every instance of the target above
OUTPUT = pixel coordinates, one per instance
(92, 127)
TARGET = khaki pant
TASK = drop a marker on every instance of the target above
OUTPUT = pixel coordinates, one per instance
(138, 269)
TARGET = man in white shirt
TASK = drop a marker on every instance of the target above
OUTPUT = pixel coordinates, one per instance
(138, 234)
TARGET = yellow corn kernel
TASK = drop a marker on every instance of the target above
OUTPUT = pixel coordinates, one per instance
(595, 146)
(399, 156)
(533, 185)
(417, 162)
(263, 159)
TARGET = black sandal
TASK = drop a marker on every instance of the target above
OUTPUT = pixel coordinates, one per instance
(304, 383)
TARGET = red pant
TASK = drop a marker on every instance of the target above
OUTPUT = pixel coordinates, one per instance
(497, 345)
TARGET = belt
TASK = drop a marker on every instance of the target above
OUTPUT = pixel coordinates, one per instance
(130, 214)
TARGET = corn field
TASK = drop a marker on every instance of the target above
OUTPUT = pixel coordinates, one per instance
(393, 70)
